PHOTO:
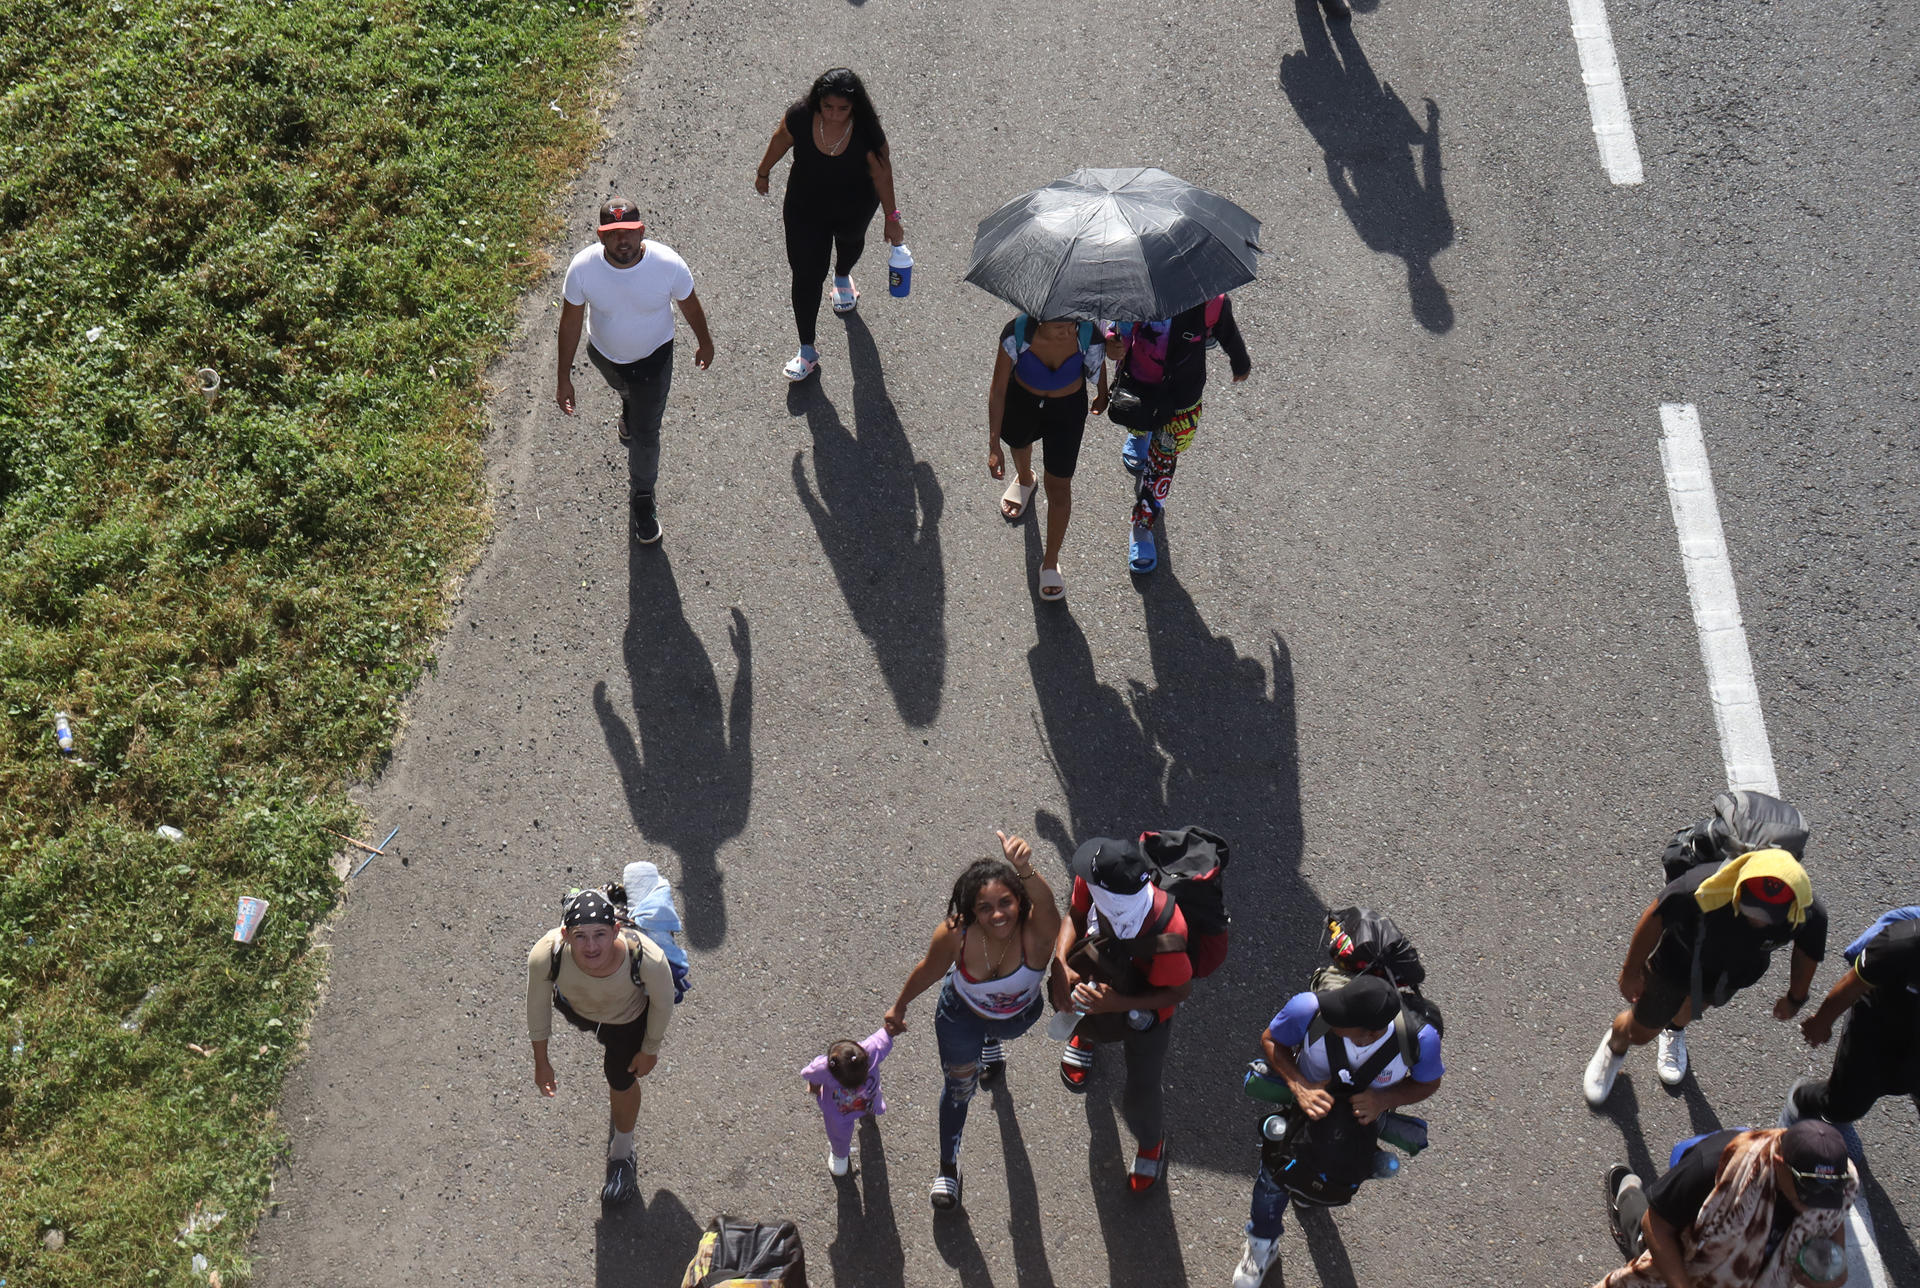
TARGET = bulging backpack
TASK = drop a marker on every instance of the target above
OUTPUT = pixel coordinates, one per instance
(1360, 942)
(643, 903)
(1187, 863)
(1742, 822)
(747, 1254)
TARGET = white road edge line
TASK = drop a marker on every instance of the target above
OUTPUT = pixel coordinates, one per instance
(1736, 698)
(1606, 96)
(1716, 605)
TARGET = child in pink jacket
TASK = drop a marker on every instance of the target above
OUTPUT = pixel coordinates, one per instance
(846, 1082)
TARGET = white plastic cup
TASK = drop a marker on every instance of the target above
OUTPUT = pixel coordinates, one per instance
(247, 920)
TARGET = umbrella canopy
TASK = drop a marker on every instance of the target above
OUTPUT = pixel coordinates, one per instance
(1130, 245)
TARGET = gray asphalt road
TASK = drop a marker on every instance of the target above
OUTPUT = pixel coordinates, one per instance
(1420, 638)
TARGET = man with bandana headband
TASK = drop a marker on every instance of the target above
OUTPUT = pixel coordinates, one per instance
(1121, 962)
(619, 987)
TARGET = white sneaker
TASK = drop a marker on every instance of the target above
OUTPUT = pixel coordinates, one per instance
(1601, 1071)
(1255, 1259)
(836, 1163)
(1671, 1062)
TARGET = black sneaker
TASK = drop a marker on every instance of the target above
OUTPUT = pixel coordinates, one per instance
(623, 1181)
(646, 522)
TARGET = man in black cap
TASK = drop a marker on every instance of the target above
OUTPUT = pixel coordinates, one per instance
(1121, 962)
(1344, 1054)
(606, 982)
(1737, 1209)
(1879, 1051)
(623, 288)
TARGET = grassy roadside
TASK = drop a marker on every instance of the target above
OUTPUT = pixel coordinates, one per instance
(334, 207)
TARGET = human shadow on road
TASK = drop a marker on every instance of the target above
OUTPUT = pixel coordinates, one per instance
(953, 1237)
(1623, 1108)
(1211, 741)
(644, 1244)
(877, 512)
(1030, 1269)
(1890, 1233)
(866, 1247)
(1367, 136)
(689, 778)
(1143, 1248)
(1326, 1247)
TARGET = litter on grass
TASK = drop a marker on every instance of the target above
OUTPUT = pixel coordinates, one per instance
(247, 919)
(169, 833)
(200, 1220)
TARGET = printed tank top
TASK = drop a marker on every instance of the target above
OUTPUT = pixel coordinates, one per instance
(997, 999)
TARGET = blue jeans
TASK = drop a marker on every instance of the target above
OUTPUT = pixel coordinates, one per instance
(960, 1031)
(1269, 1207)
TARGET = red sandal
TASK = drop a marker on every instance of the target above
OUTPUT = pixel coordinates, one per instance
(1076, 1064)
(1149, 1165)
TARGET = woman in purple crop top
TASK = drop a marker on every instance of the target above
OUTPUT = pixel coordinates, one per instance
(991, 950)
(1039, 394)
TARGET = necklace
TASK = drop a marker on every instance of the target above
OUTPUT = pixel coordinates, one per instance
(820, 136)
(995, 963)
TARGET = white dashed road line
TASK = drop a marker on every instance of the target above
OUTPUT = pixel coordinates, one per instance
(1606, 96)
(1716, 605)
(1736, 698)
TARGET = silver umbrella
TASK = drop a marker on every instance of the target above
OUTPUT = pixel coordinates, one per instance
(1130, 245)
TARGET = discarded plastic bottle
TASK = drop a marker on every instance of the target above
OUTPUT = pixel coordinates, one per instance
(1275, 1127)
(63, 733)
(1140, 1019)
(900, 272)
(1385, 1166)
(168, 833)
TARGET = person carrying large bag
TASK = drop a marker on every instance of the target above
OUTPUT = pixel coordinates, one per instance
(1343, 1054)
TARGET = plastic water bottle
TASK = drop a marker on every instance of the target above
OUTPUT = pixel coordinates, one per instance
(1385, 1166)
(1275, 1127)
(1142, 1020)
(63, 733)
(900, 272)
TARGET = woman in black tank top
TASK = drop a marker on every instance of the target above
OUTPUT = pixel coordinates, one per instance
(841, 174)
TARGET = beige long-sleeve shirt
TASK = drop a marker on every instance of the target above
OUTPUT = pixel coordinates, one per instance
(609, 999)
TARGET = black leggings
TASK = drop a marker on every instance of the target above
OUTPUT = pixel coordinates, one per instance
(813, 241)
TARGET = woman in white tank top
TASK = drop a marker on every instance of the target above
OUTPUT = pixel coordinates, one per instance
(992, 949)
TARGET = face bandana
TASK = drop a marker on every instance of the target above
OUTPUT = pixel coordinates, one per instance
(1123, 914)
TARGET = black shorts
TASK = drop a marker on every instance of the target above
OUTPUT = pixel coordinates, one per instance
(1056, 423)
(1662, 998)
(622, 1041)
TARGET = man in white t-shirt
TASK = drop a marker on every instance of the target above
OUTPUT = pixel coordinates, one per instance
(623, 289)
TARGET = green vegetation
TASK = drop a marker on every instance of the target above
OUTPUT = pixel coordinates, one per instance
(334, 207)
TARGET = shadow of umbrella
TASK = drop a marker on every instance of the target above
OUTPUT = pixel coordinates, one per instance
(877, 512)
(689, 777)
(1368, 136)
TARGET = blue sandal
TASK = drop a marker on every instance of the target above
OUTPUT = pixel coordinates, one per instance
(1142, 555)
